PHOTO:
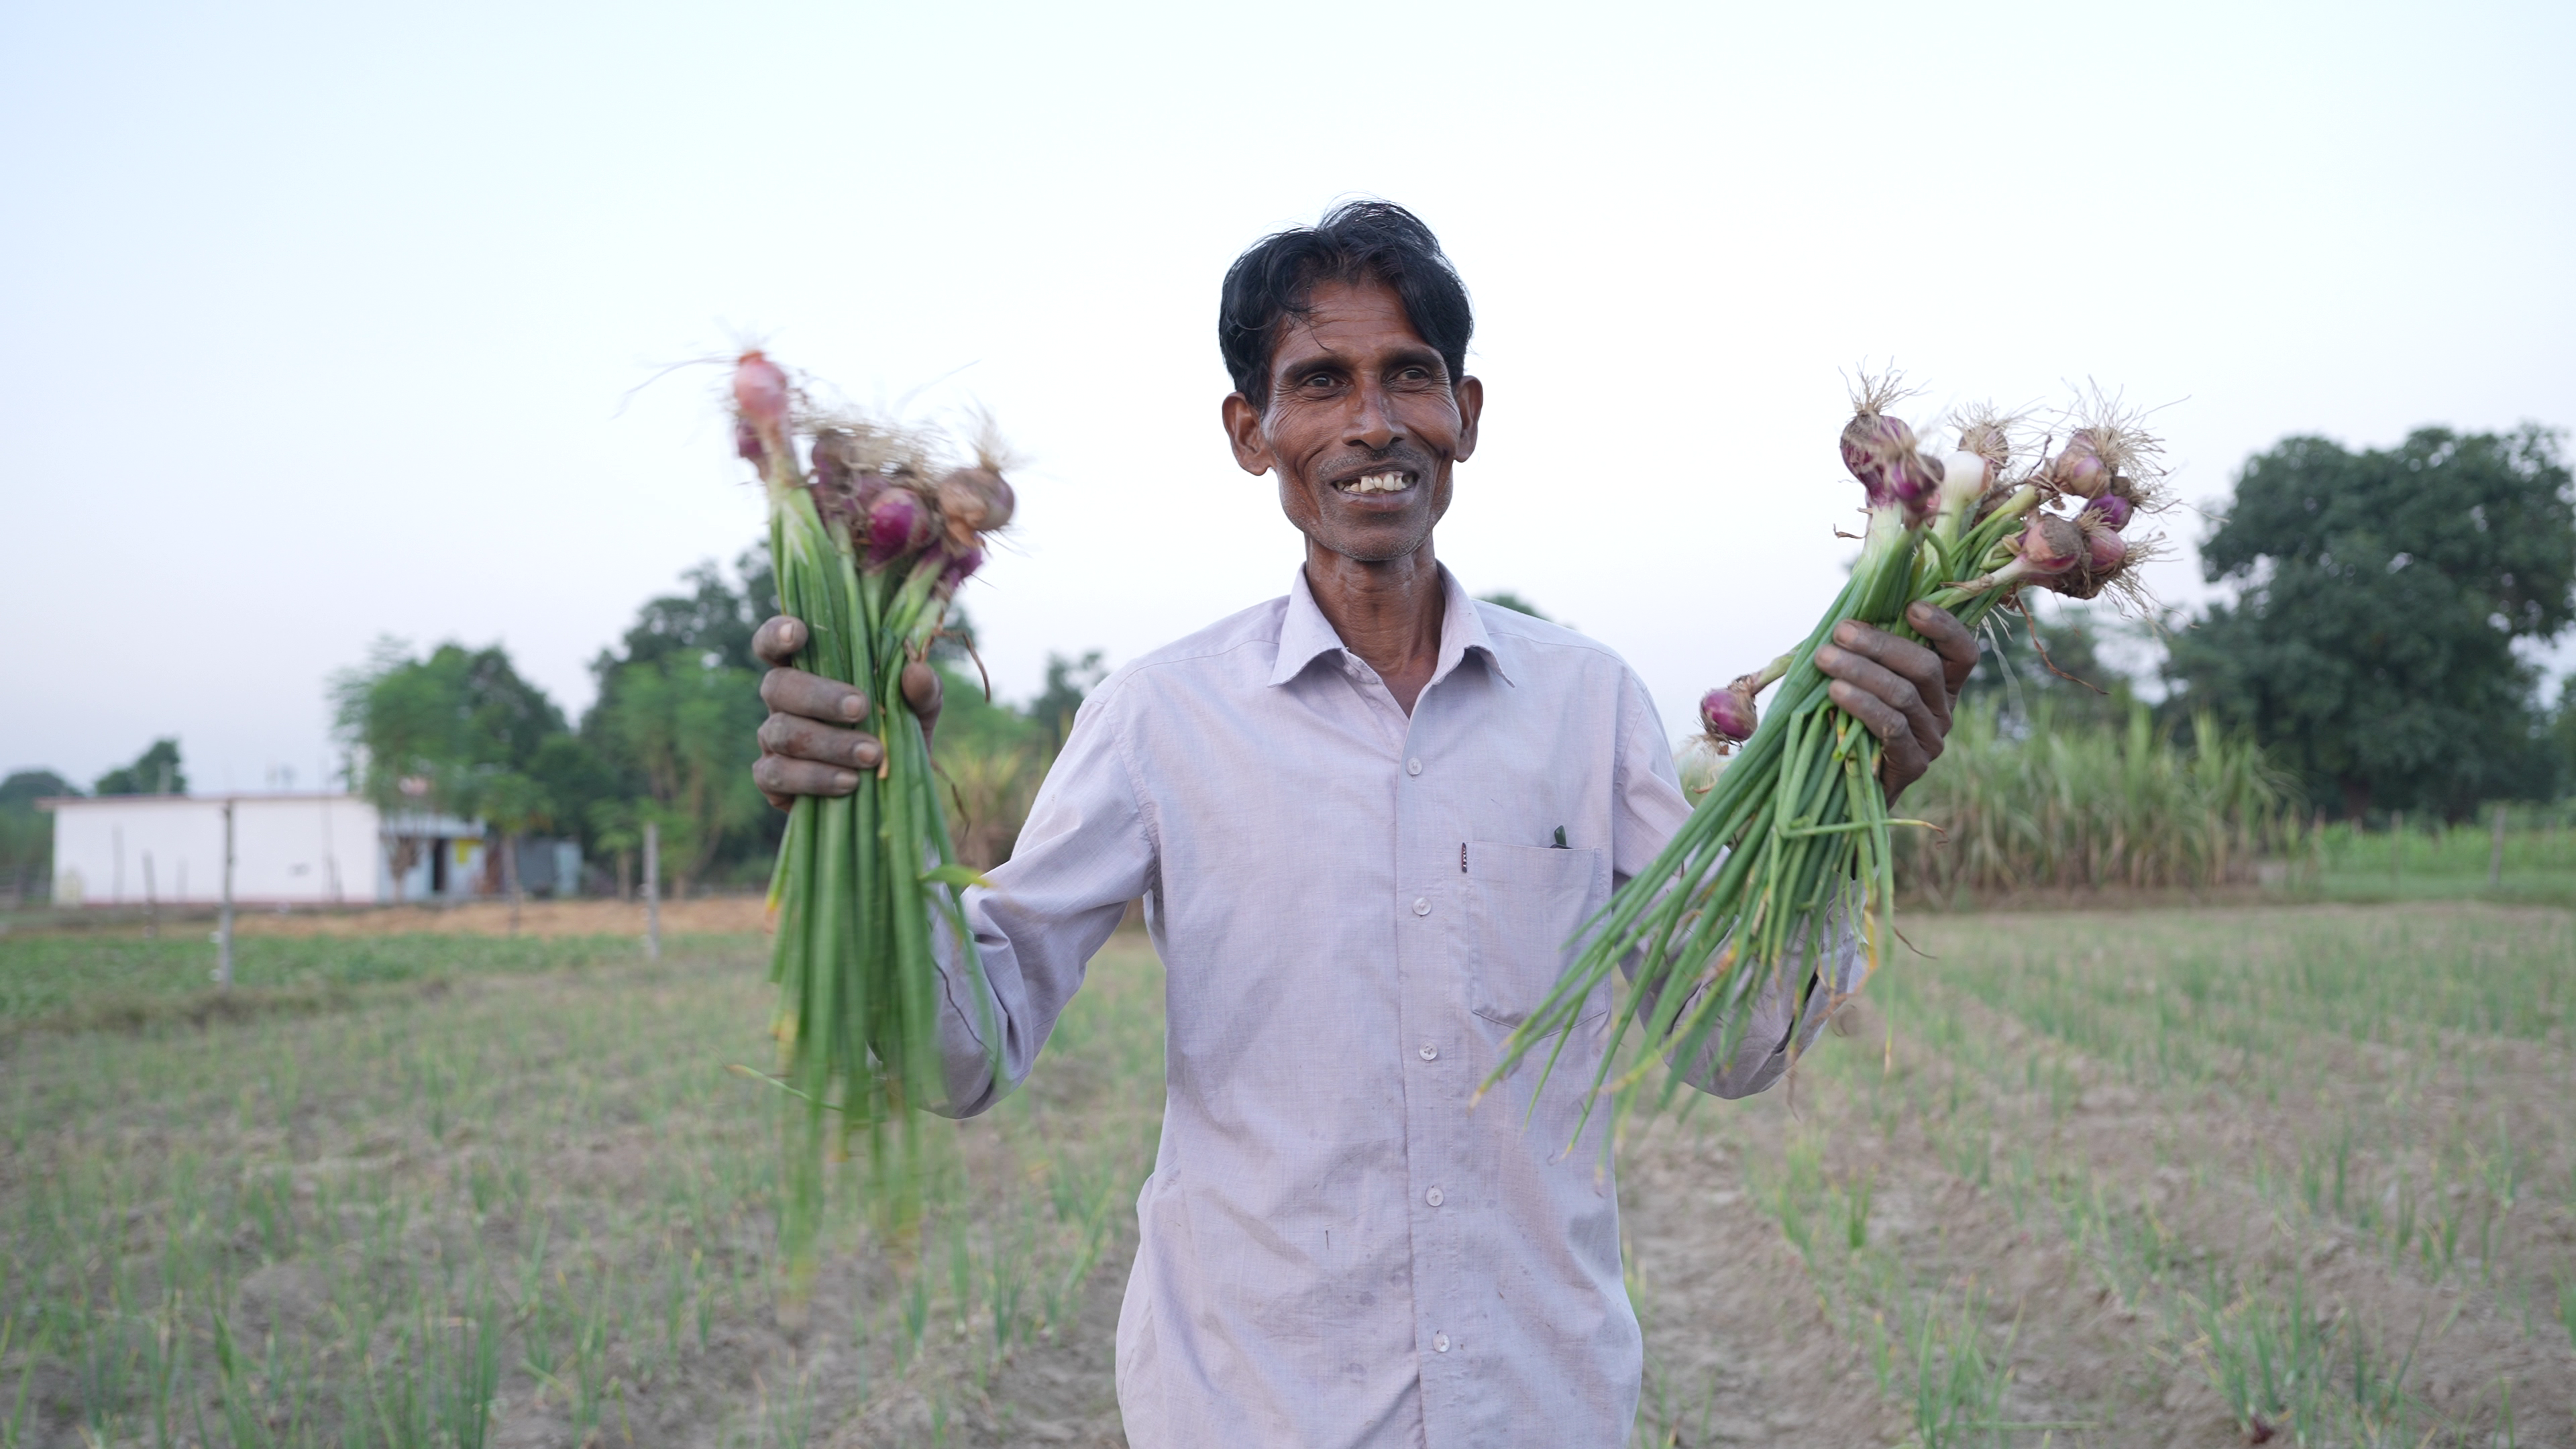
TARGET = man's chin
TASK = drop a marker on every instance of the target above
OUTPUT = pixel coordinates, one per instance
(1369, 546)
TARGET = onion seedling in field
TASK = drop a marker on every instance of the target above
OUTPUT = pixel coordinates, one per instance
(869, 544)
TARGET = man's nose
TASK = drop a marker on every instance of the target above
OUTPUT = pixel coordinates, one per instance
(1372, 423)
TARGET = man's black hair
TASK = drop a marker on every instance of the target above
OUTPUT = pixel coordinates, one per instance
(1268, 286)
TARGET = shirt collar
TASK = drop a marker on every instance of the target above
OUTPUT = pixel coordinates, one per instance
(1305, 634)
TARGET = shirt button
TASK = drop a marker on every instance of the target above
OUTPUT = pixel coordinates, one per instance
(1413, 767)
(1431, 1053)
(1439, 1343)
(1422, 905)
(1432, 1197)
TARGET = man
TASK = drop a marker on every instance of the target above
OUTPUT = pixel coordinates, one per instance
(1366, 818)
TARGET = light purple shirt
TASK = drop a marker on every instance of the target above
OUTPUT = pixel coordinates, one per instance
(1353, 909)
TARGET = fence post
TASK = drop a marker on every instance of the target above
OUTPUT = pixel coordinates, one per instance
(2396, 849)
(2495, 854)
(652, 890)
(224, 919)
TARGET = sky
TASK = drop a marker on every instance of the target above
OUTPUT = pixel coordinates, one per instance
(333, 323)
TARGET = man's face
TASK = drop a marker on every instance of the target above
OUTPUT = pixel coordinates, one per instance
(1363, 426)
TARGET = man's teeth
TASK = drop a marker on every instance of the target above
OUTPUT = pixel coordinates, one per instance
(1378, 483)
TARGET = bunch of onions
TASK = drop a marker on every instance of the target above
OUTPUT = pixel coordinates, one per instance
(1790, 840)
(868, 546)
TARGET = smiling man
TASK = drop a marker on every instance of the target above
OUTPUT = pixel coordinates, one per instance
(1366, 818)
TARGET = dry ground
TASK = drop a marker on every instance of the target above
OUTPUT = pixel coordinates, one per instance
(703, 916)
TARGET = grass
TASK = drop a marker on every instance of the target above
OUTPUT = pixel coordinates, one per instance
(123, 978)
(528, 1205)
(2079, 1178)
(2434, 860)
(2051, 807)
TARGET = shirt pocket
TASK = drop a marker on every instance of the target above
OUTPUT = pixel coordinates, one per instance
(1524, 904)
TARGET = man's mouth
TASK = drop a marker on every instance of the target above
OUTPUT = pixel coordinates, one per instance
(1388, 482)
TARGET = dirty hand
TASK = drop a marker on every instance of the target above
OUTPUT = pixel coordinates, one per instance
(810, 744)
(1901, 690)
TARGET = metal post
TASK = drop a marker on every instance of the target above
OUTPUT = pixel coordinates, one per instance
(652, 890)
(224, 920)
(2396, 849)
(151, 901)
(2495, 854)
(510, 875)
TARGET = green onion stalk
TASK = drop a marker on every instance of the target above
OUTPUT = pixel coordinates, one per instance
(868, 551)
(1794, 837)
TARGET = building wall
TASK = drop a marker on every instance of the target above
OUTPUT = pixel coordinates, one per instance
(319, 849)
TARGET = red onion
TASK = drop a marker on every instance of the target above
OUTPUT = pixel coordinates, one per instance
(746, 442)
(961, 567)
(2078, 468)
(2104, 549)
(898, 524)
(760, 389)
(1880, 452)
(2110, 508)
(2050, 545)
(974, 501)
(1728, 714)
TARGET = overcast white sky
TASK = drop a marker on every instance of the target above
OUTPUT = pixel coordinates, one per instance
(322, 322)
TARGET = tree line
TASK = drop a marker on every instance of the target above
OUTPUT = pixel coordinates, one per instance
(2381, 636)
(668, 740)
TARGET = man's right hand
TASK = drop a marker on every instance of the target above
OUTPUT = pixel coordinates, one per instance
(810, 744)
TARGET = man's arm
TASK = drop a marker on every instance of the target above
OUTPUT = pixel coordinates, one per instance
(1904, 693)
(1082, 856)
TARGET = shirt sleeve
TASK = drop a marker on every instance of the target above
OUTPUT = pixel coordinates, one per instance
(1083, 855)
(1788, 1011)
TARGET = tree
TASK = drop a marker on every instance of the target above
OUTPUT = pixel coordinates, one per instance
(458, 733)
(2379, 597)
(513, 805)
(1505, 598)
(688, 729)
(155, 772)
(712, 619)
(430, 730)
(1068, 683)
(27, 834)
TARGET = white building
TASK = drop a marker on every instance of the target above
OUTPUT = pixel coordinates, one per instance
(287, 850)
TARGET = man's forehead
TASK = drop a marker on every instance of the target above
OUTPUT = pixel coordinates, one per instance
(1345, 319)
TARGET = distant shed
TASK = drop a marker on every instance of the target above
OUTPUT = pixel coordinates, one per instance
(287, 850)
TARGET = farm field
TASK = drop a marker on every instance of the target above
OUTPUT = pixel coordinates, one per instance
(2288, 1174)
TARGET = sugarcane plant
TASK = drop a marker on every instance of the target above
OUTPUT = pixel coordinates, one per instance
(869, 537)
(1789, 845)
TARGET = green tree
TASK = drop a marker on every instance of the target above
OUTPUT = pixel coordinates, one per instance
(687, 728)
(712, 619)
(155, 772)
(1505, 598)
(26, 833)
(1068, 683)
(430, 731)
(2379, 597)
(511, 804)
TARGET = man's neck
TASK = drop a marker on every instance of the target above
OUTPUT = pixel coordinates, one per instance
(1388, 613)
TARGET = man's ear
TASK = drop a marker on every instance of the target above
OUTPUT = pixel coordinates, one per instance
(1250, 440)
(1470, 393)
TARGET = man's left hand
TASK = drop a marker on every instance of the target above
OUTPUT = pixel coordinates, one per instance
(1902, 691)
